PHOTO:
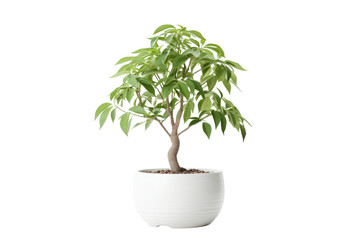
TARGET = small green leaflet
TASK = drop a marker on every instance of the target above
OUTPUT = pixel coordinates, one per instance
(184, 89)
(193, 122)
(138, 124)
(210, 81)
(163, 27)
(207, 129)
(220, 53)
(104, 116)
(125, 123)
(132, 80)
(223, 123)
(101, 108)
(188, 109)
(235, 65)
(120, 73)
(198, 87)
(206, 105)
(243, 131)
(130, 94)
(216, 117)
(138, 109)
(167, 89)
(190, 85)
(198, 34)
(148, 123)
(124, 60)
(113, 114)
(180, 60)
(195, 42)
(227, 85)
(146, 84)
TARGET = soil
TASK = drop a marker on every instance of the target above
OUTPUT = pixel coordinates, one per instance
(183, 171)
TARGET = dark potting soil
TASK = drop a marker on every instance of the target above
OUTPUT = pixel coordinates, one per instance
(183, 171)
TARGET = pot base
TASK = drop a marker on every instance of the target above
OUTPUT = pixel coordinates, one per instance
(179, 200)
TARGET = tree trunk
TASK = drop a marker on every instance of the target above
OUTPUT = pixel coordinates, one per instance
(173, 151)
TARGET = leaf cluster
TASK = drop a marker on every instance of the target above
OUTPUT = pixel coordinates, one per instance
(180, 74)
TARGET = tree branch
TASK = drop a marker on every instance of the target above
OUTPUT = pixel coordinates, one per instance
(129, 112)
(180, 112)
(170, 111)
(140, 99)
(190, 126)
(184, 130)
(162, 125)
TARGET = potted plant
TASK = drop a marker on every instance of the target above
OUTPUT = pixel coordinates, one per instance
(176, 81)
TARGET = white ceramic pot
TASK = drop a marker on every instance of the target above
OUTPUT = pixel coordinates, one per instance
(178, 200)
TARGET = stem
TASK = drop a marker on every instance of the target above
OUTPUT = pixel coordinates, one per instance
(173, 151)
(140, 99)
(184, 130)
(129, 112)
(190, 126)
(170, 112)
(177, 124)
(162, 125)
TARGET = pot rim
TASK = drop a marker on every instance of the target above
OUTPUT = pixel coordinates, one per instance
(210, 172)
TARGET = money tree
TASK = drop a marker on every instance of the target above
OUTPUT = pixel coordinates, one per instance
(178, 79)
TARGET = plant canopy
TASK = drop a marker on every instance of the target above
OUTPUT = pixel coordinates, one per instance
(179, 78)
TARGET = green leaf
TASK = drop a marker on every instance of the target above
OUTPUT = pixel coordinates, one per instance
(169, 38)
(194, 42)
(207, 129)
(227, 85)
(206, 105)
(190, 85)
(148, 123)
(119, 74)
(216, 117)
(198, 87)
(210, 81)
(233, 78)
(220, 53)
(173, 102)
(220, 72)
(143, 80)
(167, 89)
(223, 123)
(160, 63)
(187, 112)
(180, 60)
(130, 94)
(205, 67)
(189, 108)
(146, 84)
(184, 89)
(143, 50)
(125, 123)
(113, 114)
(243, 131)
(138, 109)
(101, 108)
(198, 34)
(132, 80)
(247, 122)
(153, 42)
(163, 27)
(124, 59)
(194, 121)
(104, 116)
(235, 65)
(138, 124)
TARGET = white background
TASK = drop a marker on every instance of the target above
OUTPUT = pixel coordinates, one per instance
(295, 177)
